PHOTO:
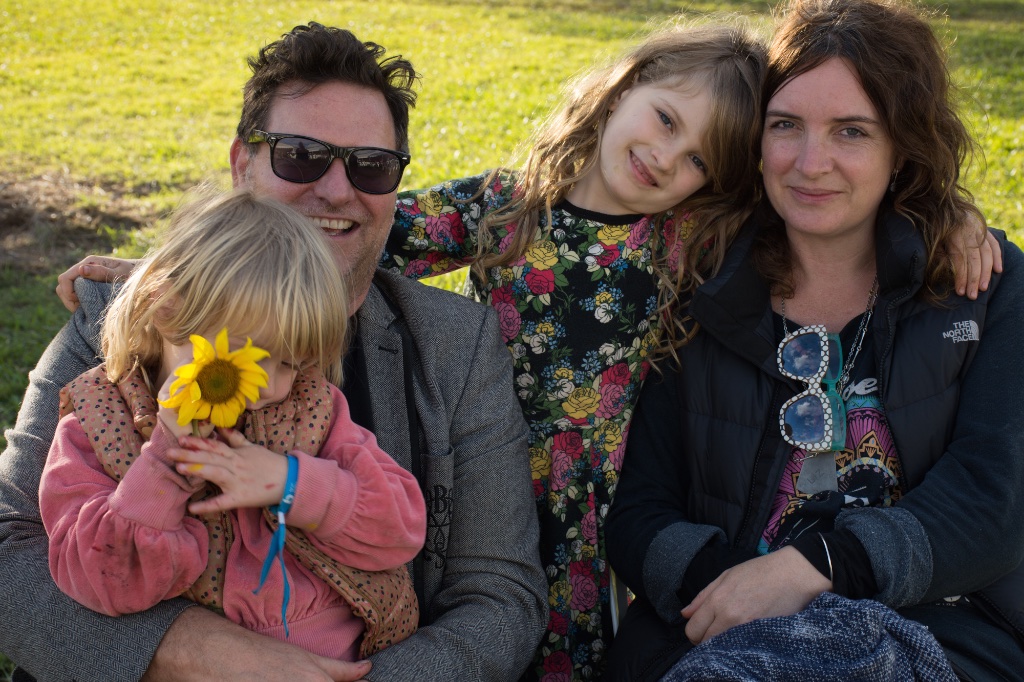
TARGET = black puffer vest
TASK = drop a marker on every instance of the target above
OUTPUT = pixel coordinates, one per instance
(923, 354)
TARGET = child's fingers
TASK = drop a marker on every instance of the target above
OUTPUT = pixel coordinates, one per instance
(66, 293)
(969, 273)
(198, 444)
(987, 264)
(208, 465)
(232, 437)
(248, 475)
(211, 504)
(997, 251)
(992, 250)
(219, 476)
(979, 262)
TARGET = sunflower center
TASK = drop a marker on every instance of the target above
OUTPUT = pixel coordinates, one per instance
(219, 381)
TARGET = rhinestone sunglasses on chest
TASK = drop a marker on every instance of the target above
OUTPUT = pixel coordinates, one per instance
(814, 420)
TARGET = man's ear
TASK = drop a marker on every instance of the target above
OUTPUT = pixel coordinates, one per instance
(239, 158)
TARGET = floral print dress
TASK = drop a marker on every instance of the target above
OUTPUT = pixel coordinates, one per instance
(578, 315)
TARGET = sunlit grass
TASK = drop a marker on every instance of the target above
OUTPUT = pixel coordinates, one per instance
(151, 94)
(148, 96)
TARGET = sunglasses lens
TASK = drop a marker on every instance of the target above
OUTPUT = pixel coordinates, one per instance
(300, 160)
(804, 420)
(374, 171)
(802, 356)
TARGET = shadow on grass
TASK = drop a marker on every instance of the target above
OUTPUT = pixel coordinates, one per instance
(51, 221)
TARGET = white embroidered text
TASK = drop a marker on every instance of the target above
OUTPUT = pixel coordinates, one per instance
(963, 331)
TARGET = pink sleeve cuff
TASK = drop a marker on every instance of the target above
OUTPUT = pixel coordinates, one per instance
(152, 493)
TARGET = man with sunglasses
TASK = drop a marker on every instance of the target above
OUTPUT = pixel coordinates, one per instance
(324, 129)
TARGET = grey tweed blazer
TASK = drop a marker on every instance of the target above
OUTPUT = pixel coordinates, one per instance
(483, 590)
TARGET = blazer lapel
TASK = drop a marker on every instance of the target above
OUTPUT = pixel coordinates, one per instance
(382, 355)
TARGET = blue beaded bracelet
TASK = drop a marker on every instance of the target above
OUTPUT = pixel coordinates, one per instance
(277, 541)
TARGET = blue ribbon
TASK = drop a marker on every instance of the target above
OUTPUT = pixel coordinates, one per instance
(277, 542)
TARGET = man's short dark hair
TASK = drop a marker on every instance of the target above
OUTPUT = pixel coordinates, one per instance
(313, 54)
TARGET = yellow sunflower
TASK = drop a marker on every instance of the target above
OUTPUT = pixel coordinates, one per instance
(216, 384)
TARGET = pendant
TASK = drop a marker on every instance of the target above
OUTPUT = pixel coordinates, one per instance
(818, 474)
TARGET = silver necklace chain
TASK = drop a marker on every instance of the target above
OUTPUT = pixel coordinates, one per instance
(862, 330)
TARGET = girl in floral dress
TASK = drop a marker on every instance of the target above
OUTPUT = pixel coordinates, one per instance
(569, 252)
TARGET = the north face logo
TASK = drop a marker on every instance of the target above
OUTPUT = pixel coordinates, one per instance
(963, 331)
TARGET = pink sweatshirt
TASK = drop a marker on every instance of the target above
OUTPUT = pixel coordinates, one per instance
(121, 548)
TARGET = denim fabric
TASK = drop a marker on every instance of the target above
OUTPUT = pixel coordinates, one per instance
(833, 639)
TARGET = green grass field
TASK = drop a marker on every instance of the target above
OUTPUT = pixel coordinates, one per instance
(139, 100)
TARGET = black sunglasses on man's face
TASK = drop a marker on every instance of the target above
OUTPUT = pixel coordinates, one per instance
(297, 158)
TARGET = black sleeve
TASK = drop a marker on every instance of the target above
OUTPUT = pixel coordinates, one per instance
(647, 498)
(845, 562)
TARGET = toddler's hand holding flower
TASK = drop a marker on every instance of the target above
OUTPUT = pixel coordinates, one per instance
(247, 474)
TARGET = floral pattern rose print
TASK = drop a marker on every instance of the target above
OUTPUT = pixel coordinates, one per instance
(577, 311)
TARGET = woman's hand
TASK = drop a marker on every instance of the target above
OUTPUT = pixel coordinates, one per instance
(248, 475)
(96, 268)
(778, 584)
(974, 256)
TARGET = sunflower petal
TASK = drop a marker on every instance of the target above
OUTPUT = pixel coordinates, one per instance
(202, 350)
(221, 415)
(174, 401)
(178, 385)
(236, 407)
(222, 343)
(250, 391)
(203, 411)
(249, 353)
(187, 372)
(255, 378)
(247, 366)
(186, 413)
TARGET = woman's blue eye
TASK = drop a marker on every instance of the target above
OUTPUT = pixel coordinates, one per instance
(664, 118)
(699, 164)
